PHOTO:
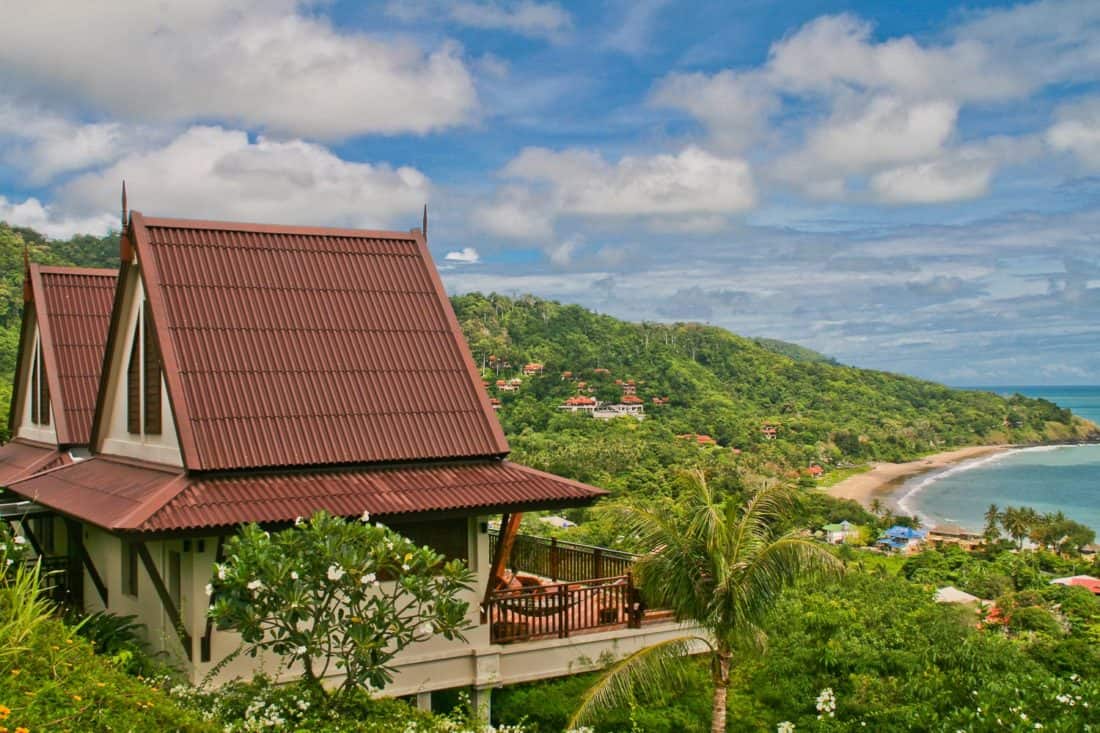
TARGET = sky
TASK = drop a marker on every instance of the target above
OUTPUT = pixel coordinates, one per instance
(904, 186)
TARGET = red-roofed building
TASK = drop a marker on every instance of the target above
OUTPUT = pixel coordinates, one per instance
(257, 373)
(532, 369)
(1087, 582)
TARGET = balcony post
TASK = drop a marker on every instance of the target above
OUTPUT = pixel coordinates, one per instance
(563, 611)
(597, 562)
(555, 560)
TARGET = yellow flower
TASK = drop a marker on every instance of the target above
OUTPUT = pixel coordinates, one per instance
(16, 671)
(5, 711)
(21, 729)
(77, 698)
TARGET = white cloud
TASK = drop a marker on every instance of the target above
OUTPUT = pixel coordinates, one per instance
(1077, 131)
(633, 25)
(734, 106)
(515, 213)
(949, 179)
(524, 17)
(51, 222)
(211, 172)
(690, 182)
(44, 144)
(258, 63)
(465, 256)
(561, 254)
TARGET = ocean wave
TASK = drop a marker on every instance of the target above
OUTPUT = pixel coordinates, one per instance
(918, 484)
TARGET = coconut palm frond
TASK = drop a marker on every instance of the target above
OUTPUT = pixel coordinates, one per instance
(645, 672)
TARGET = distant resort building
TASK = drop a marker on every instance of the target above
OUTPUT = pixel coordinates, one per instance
(952, 595)
(659, 400)
(622, 409)
(836, 534)
(698, 438)
(953, 534)
(815, 471)
(770, 432)
(1083, 581)
(580, 403)
(902, 539)
(530, 370)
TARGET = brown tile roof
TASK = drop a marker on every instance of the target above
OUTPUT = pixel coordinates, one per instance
(73, 307)
(19, 459)
(125, 495)
(294, 346)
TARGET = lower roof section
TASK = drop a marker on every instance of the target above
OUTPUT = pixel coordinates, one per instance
(128, 496)
(19, 459)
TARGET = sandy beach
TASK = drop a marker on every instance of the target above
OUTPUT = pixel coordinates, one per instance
(884, 478)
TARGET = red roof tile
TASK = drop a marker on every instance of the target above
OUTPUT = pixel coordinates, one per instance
(73, 306)
(119, 494)
(19, 459)
(294, 346)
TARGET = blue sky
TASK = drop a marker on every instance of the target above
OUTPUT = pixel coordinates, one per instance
(905, 186)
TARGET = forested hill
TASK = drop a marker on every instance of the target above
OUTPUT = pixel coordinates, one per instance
(729, 388)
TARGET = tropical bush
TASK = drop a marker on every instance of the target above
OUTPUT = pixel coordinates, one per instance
(337, 597)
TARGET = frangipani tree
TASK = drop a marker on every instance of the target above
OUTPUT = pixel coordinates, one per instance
(719, 566)
(336, 596)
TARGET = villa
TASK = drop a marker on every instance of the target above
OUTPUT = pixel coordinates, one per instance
(836, 534)
(258, 373)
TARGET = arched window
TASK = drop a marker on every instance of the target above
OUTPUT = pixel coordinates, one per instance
(39, 389)
(143, 378)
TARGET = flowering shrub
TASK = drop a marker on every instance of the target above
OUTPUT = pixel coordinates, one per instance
(337, 596)
(13, 551)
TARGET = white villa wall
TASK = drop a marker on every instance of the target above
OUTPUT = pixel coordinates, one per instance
(433, 665)
(27, 429)
(118, 440)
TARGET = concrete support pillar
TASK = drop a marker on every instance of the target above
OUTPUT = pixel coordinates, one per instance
(424, 701)
(482, 702)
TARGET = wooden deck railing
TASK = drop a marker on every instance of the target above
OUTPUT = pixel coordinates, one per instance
(53, 577)
(561, 609)
(551, 558)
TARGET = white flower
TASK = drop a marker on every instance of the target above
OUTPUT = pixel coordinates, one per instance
(368, 578)
(298, 521)
(19, 539)
(335, 572)
(300, 650)
(424, 630)
(255, 585)
(785, 727)
(209, 590)
(221, 572)
(405, 566)
(293, 574)
(365, 518)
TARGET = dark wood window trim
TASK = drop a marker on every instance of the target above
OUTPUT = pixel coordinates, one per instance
(143, 379)
(129, 568)
(133, 383)
(39, 387)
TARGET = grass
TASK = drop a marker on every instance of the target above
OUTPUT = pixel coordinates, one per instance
(834, 477)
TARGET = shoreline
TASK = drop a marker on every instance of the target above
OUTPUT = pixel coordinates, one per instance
(884, 479)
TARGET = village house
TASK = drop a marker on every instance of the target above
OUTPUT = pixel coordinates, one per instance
(1087, 582)
(902, 539)
(839, 533)
(579, 403)
(248, 375)
(770, 432)
(635, 410)
(531, 369)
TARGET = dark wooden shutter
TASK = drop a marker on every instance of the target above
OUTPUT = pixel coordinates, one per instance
(152, 376)
(43, 392)
(133, 384)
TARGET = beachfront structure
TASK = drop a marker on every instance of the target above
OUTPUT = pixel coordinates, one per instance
(953, 534)
(951, 594)
(841, 532)
(901, 539)
(248, 376)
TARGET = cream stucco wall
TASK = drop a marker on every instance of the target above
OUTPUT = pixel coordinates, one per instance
(436, 664)
(117, 440)
(27, 429)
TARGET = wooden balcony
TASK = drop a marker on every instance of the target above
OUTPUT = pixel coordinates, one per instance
(564, 589)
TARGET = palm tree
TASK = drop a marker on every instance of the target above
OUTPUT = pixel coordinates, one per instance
(719, 566)
(876, 507)
(1016, 522)
(992, 519)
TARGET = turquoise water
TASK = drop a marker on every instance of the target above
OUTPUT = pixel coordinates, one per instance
(1055, 478)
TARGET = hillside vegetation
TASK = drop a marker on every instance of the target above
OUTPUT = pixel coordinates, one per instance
(719, 385)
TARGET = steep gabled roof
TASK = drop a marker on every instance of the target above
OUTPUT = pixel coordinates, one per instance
(21, 458)
(294, 346)
(125, 495)
(72, 306)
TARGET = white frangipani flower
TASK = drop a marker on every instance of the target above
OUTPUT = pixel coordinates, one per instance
(209, 590)
(335, 572)
(255, 584)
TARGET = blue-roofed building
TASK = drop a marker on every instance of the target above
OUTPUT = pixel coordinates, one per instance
(901, 539)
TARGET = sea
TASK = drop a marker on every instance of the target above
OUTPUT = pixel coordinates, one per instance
(1046, 478)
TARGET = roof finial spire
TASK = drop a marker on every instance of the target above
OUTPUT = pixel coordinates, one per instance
(424, 228)
(123, 205)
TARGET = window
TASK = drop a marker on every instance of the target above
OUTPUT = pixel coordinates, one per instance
(39, 388)
(43, 531)
(129, 568)
(449, 538)
(143, 378)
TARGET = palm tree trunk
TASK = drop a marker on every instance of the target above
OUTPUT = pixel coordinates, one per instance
(721, 690)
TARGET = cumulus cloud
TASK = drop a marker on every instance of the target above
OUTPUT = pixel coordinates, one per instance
(734, 106)
(692, 181)
(937, 181)
(259, 63)
(51, 221)
(525, 17)
(1077, 131)
(464, 256)
(215, 173)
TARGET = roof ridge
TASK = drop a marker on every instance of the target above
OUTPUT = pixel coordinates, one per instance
(258, 228)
